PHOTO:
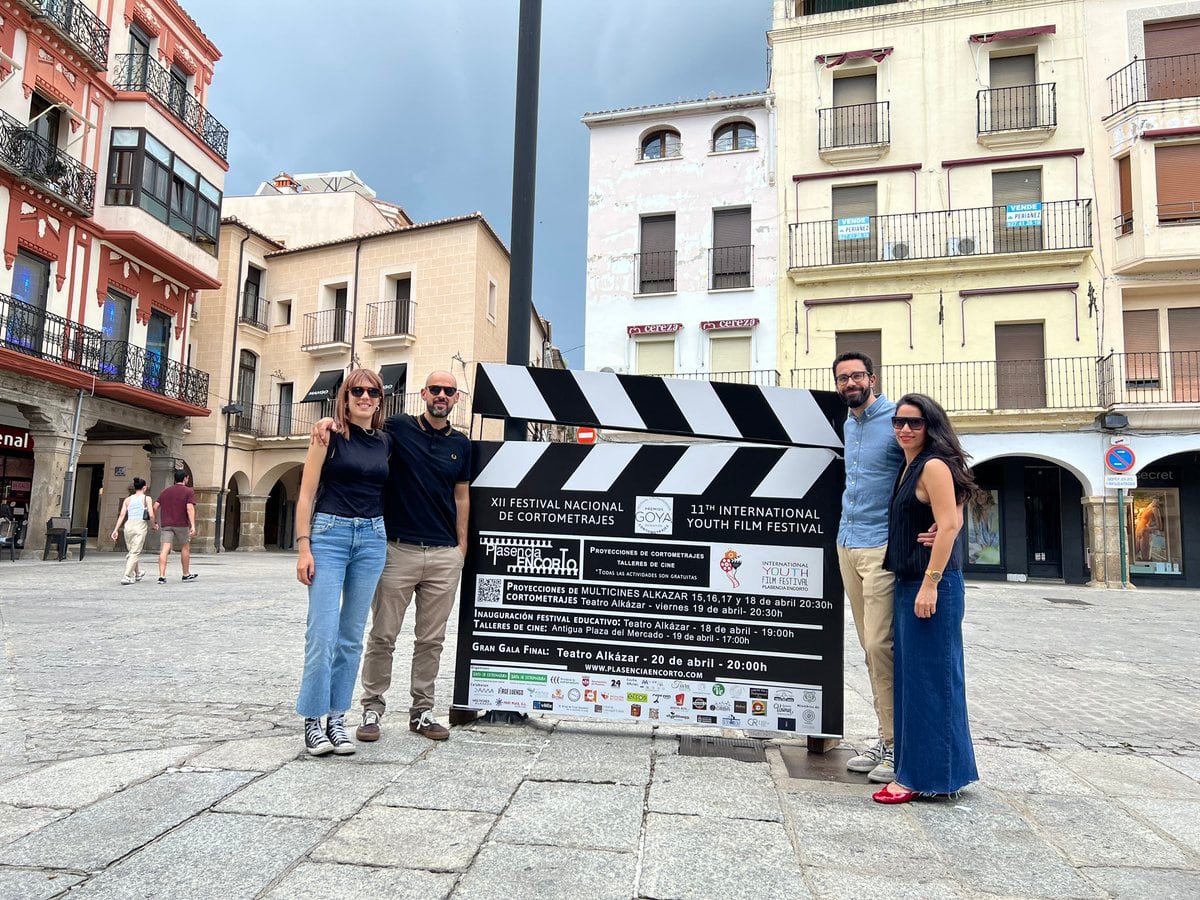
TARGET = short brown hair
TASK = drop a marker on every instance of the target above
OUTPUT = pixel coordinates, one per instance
(356, 378)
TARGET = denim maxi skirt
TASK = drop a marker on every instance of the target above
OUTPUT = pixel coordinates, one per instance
(933, 739)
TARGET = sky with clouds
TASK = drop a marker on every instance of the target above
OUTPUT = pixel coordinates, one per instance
(417, 97)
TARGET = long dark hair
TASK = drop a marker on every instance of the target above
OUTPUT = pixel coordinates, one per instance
(941, 441)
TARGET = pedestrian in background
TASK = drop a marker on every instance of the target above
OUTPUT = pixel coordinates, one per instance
(342, 547)
(934, 754)
(137, 512)
(176, 512)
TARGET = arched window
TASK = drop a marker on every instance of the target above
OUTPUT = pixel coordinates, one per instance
(662, 144)
(734, 136)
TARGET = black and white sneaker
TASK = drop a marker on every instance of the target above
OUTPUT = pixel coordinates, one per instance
(335, 730)
(162, 580)
(192, 577)
(315, 740)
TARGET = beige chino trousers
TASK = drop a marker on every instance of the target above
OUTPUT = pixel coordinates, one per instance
(135, 539)
(870, 588)
(430, 576)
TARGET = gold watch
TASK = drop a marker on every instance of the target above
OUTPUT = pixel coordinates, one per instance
(933, 575)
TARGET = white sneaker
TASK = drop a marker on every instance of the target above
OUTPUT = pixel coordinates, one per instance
(886, 770)
(868, 759)
(126, 580)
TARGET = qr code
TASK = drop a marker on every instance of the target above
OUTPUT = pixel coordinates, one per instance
(489, 590)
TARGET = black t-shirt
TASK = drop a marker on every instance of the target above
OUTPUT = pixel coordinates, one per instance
(426, 465)
(354, 474)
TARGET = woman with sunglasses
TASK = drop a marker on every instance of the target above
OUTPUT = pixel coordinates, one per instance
(933, 739)
(342, 547)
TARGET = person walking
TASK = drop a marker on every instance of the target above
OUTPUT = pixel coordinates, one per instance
(175, 510)
(933, 747)
(137, 512)
(341, 549)
(872, 461)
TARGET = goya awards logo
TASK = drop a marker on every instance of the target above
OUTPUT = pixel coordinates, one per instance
(729, 564)
(654, 515)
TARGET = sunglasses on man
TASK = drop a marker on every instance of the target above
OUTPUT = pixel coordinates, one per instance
(373, 393)
(437, 389)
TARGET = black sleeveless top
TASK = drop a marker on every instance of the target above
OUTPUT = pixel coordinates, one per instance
(354, 474)
(907, 518)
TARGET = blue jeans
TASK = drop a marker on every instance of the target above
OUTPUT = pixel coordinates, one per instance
(348, 557)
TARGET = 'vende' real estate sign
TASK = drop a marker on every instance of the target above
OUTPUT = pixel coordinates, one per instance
(682, 584)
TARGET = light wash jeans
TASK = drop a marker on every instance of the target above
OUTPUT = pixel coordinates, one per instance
(348, 555)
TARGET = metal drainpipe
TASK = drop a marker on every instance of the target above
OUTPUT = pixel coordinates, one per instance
(217, 536)
(354, 306)
(68, 500)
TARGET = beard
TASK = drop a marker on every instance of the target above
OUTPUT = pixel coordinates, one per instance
(437, 412)
(855, 397)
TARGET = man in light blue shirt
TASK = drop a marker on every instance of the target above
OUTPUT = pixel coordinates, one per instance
(873, 459)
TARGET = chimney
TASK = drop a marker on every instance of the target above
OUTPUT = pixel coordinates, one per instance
(285, 183)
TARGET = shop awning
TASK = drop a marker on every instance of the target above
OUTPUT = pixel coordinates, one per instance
(394, 377)
(986, 37)
(325, 387)
(833, 60)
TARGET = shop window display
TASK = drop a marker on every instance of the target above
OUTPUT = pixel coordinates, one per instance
(1153, 526)
(983, 528)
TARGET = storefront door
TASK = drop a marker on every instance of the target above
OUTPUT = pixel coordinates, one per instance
(1043, 529)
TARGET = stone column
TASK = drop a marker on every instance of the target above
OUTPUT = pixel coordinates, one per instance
(206, 520)
(1103, 524)
(51, 456)
(254, 516)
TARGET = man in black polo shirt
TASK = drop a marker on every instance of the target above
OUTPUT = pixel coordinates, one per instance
(425, 509)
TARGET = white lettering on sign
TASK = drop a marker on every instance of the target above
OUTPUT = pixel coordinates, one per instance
(15, 440)
(668, 328)
(719, 324)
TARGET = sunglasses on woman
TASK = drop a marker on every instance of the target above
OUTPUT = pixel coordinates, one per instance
(437, 389)
(915, 423)
(373, 393)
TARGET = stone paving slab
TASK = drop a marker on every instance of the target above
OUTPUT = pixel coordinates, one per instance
(212, 856)
(252, 754)
(1138, 884)
(689, 857)
(734, 790)
(580, 755)
(335, 881)
(16, 821)
(325, 788)
(834, 883)
(105, 831)
(30, 885)
(1188, 765)
(1025, 771)
(508, 871)
(412, 838)
(450, 782)
(1100, 833)
(1129, 776)
(78, 782)
(1178, 819)
(565, 814)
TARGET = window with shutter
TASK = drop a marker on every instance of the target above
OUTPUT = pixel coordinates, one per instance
(1020, 366)
(1172, 61)
(656, 357)
(855, 113)
(731, 253)
(1124, 196)
(1141, 348)
(1012, 231)
(1183, 335)
(656, 262)
(729, 354)
(867, 342)
(1013, 96)
(853, 203)
(1177, 173)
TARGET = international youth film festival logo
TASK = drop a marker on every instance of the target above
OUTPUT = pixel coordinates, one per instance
(654, 515)
(730, 563)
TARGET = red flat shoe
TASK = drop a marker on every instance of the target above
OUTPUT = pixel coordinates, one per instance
(883, 795)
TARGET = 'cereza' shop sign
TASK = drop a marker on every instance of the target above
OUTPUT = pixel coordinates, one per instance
(654, 583)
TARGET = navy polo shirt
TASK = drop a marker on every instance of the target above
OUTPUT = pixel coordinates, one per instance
(426, 464)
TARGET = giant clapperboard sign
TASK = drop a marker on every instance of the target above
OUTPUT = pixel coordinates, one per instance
(678, 583)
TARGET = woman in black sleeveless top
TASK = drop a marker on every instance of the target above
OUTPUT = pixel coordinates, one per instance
(933, 739)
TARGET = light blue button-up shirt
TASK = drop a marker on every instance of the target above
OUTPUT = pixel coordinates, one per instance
(873, 459)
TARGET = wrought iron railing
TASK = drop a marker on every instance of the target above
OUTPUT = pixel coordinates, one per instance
(36, 160)
(655, 272)
(130, 364)
(414, 405)
(254, 310)
(727, 142)
(138, 72)
(1024, 227)
(77, 23)
(329, 326)
(278, 420)
(731, 267)
(1123, 222)
(1020, 108)
(854, 126)
(816, 7)
(1161, 377)
(1156, 78)
(761, 377)
(389, 318)
(1179, 211)
(35, 332)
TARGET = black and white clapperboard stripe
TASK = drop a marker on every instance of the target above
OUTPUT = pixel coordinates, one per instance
(669, 406)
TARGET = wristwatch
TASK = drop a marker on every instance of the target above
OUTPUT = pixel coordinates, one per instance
(933, 575)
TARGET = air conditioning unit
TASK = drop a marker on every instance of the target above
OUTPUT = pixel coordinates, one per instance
(961, 246)
(897, 250)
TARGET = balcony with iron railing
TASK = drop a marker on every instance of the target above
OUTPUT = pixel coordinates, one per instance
(81, 27)
(761, 377)
(138, 72)
(730, 268)
(655, 272)
(327, 331)
(1165, 240)
(391, 323)
(1016, 116)
(817, 7)
(34, 332)
(1155, 78)
(985, 231)
(413, 404)
(36, 161)
(848, 128)
(125, 363)
(254, 310)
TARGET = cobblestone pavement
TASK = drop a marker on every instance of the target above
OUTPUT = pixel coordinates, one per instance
(148, 748)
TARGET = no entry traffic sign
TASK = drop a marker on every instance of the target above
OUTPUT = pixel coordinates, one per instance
(1119, 459)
